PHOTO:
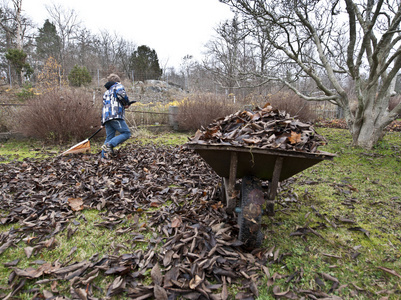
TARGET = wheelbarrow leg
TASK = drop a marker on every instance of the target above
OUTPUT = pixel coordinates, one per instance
(250, 212)
(273, 185)
(230, 183)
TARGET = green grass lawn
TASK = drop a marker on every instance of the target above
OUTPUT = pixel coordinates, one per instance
(336, 226)
(352, 204)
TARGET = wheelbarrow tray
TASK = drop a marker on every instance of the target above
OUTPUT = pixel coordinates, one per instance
(256, 161)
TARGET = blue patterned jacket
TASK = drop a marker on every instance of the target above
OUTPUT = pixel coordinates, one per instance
(114, 101)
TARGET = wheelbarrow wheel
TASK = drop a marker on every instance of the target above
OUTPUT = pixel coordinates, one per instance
(250, 214)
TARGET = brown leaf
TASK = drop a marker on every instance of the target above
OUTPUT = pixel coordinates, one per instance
(156, 275)
(197, 135)
(47, 294)
(295, 137)
(176, 222)
(331, 255)
(276, 253)
(29, 272)
(360, 229)
(167, 258)
(76, 204)
(28, 251)
(81, 293)
(329, 277)
(357, 287)
(224, 291)
(160, 293)
(195, 281)
(287, 294)
(50, 243)
(390, 271)
(118, 270)
(266, 271)
(345, 220)
(118, 282)
(171, 275)
(5, 246)
(11, 263)
(254, 289)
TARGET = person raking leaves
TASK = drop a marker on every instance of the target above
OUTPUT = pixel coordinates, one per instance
(115, 101)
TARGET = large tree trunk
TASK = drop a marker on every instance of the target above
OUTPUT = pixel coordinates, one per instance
(367, 135)
(369, 119)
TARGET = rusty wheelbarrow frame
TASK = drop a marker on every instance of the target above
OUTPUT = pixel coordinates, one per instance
(251, 164)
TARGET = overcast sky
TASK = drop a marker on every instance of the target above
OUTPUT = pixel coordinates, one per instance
(173, 28)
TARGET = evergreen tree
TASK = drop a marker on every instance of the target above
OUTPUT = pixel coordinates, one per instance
(17, 58)
(79, 76)
(48, 42)
(145, 64)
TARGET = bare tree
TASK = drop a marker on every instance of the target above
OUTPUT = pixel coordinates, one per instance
(224, 53)
(107, 45)
(68, 27)
(351, 50)
(237, 55)
(124, 49)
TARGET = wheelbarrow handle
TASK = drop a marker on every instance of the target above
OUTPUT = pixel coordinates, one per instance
(95, 133)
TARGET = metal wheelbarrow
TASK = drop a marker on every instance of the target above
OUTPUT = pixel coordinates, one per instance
(253, 165)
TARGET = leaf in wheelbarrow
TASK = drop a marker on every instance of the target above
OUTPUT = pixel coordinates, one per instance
(267, 107)
(255, 117)
(197, 135)
(295, 137)
(280, 142)
(254, 140)
(212, 132)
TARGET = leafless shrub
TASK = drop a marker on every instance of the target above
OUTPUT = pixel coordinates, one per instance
(201, 109)
(4, 118)
(287, 101)
(294, 105)
(60, 116)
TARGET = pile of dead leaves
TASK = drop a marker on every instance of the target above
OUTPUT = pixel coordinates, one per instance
(334, 123)
(192, 246)
(262, 128)
(394, 126)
